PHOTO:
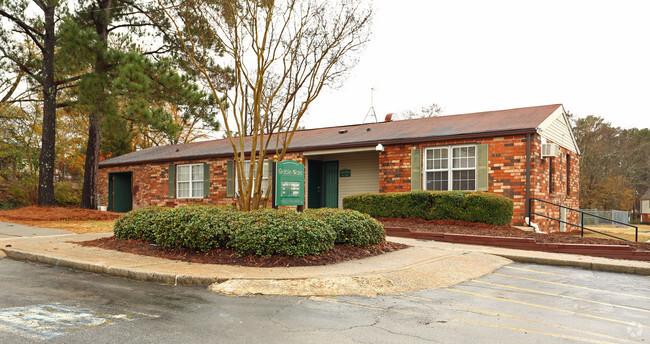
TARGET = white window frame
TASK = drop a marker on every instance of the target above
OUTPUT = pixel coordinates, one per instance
(265, 176)
(190, 181)
(450, 166)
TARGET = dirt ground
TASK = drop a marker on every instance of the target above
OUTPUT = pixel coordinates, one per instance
(461, 227)
(72, 219)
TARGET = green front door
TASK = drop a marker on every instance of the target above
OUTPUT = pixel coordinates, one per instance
(322, 184)
(120, 198)
(331, 184)
(314, 183)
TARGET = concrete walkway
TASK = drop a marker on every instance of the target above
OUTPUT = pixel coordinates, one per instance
(13, 230)
(426, 265)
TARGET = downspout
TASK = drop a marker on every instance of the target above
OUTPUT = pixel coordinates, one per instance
(528, 205)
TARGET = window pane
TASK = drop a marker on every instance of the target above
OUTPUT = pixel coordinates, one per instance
(197, 189)
(197, 172)
(464, 180)
(440, 180)
(183, 173)
(471, 151)
(183, 189)
(429, 153)
(471, 162)
(444, 163)
(429, 184)
(436, 164)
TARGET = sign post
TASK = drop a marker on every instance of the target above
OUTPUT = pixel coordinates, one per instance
(289, 184)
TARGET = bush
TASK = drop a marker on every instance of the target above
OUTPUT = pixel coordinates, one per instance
(435, 205)
(351, 226)
(67, 194)
(139, 224)
(196, 227)
(267, 232)
(262, 232)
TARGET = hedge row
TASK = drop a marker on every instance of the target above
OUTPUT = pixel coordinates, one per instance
(263, 232)
(435, 205)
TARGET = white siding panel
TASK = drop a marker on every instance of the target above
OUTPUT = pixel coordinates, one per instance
(559, 131)
(364, 177)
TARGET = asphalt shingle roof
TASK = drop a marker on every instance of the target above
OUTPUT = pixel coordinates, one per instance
(434, 128)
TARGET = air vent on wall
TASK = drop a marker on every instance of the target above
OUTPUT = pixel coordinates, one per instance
(550, 150)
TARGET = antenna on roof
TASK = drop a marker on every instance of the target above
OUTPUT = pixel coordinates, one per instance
(371, 111)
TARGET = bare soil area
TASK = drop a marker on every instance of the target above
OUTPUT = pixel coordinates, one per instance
(338, 254)
(472, 228)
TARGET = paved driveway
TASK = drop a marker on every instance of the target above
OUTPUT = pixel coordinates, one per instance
(518, 303)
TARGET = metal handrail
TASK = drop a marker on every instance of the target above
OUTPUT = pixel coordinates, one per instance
(582, 217)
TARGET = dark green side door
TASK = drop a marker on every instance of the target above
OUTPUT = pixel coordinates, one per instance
(331, 184)
(120, 197)
(314, 183)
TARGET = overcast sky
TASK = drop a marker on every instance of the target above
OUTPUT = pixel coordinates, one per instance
(470, 56)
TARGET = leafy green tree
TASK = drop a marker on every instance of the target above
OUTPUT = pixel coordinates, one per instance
(38, 23)
(123, 88)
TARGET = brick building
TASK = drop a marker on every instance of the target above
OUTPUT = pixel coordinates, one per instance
(519, 153)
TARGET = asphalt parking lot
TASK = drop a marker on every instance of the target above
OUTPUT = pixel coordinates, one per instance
(517, 303)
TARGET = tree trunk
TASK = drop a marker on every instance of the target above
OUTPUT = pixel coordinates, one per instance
(91, 167)
(48, 140)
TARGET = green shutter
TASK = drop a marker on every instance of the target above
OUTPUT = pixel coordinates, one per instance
(172, 181)
(416, 169)
(206, 180)
(230, 179)
(481, 167)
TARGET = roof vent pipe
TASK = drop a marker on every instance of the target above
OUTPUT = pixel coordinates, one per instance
(388, 118)
(379, 148)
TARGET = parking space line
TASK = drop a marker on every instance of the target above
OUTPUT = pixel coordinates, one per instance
(571, 286)
(549, 308)
(528, 330)
(539, 272)
(563, 296)
(366, 305)
(478, 310)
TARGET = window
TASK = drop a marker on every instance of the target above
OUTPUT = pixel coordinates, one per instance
(551, 186)
(189, 181)
(450, 168)
(265, 175)
(568, 174)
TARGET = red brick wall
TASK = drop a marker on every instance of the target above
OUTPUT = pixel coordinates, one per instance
(150, 183)
(540, 186)
(506, 172)
(645, 217)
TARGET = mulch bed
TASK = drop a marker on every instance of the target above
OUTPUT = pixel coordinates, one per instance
(34, 213)
(472, 228)
(338, 254)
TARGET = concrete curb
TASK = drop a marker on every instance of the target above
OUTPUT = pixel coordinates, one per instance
(606, 267)
(154, 277)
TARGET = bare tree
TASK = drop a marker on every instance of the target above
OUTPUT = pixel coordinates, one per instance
(282, 53)
(432, 110)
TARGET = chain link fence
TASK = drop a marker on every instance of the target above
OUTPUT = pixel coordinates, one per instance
(616, 215)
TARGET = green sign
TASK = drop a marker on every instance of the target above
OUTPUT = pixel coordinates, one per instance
(289, 183)
(345, 173)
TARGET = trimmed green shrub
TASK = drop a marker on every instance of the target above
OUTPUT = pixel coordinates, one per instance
(351, 226)
(139, 224)
(435, 205)
(267, 232)
(196, 227)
